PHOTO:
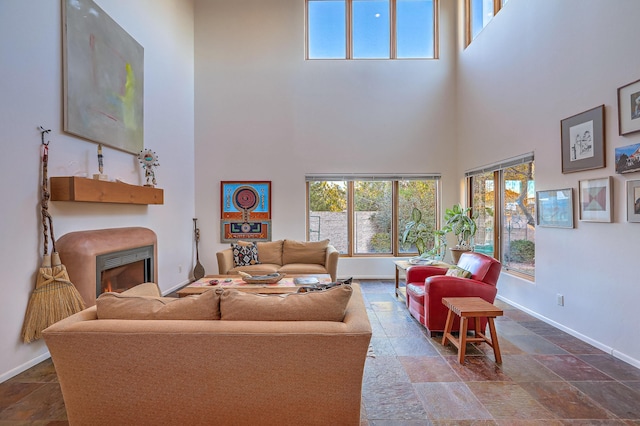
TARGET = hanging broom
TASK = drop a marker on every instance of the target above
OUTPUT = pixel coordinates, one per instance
(54, 297)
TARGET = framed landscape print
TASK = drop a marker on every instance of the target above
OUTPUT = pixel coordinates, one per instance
(629, 108)
(245, 211)
(628, 158)
(582, 141)
(596, 199)
(554, 208)
(633, 201)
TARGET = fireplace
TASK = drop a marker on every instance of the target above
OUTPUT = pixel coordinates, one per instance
(108, 259)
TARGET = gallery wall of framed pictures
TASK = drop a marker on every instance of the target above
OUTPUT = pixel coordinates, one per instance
(583, 147)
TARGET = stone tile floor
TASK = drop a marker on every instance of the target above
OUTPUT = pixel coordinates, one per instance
(547, 377)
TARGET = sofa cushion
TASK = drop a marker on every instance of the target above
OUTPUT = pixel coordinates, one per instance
(328, 305)
(205, 306)
(302, 268)
(244, 255)
(270, 252)
(304, 252)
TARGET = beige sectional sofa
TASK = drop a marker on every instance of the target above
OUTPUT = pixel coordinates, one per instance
(137, 358)
(284, 256)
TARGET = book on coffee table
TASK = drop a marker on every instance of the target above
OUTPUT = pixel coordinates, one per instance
(305, 280)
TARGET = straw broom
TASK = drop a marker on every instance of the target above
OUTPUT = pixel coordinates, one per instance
(54, 297)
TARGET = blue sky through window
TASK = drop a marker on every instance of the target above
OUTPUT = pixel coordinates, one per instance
(370, 28)
(327, 29)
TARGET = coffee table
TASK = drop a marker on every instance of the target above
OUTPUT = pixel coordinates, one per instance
(285, 285)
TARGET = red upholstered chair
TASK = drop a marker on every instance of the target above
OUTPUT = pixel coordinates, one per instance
(427, 285)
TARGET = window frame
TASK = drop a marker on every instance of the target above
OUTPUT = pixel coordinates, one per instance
(498, 207)
(468, 36)
(395, 231)
(393, 51)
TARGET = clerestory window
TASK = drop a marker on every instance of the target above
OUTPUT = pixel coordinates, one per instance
(372, 29)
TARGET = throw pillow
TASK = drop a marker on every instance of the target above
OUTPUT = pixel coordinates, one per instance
(328, 305)
(456, 271)
(304, 252)
(270, 251)
(205, 306)
(244, 255)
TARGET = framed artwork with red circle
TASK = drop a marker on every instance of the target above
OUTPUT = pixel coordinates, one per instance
(245, 211)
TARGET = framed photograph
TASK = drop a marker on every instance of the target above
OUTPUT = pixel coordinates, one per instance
(628, 158)
(554, 208)
(245, 211)
(633, 201)
(582, 139)
(629, 108)
(103, 78)
(596, 199)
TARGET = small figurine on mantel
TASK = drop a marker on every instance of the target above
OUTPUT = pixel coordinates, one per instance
(100, 175)
(149, 160)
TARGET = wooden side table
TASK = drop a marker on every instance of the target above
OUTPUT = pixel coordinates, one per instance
(471, 307)
(401, 273)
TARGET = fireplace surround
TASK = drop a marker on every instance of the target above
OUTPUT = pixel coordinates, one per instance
(90, 255)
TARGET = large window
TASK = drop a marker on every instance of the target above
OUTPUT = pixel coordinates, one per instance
(366, 215)
(372, 29)
(504, 197)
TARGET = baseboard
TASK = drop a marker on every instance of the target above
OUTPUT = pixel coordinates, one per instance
(176, 288)
(621, 356)
(27, 365)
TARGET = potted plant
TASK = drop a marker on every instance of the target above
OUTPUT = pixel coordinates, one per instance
(460, 222)
(417, 232)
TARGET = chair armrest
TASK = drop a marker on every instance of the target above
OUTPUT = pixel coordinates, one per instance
(331, 262)
(225, 261)
(419, 273)
(444, 286)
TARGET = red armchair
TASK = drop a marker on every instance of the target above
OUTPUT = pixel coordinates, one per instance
(427, 285)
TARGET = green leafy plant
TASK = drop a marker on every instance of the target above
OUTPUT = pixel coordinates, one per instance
(417, 232)
(461, 223)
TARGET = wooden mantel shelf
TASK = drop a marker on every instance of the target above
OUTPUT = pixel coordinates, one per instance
(73, 188)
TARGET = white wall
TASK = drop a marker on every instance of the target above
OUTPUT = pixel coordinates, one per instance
(535, 64)
(264, 113)
(31, 95)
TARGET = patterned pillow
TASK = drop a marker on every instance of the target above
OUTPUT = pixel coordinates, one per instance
(456, 271)
(244, 254)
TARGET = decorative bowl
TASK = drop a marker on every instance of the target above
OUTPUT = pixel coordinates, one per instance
(263, 279)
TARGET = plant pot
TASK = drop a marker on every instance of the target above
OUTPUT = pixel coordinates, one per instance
(456, 253)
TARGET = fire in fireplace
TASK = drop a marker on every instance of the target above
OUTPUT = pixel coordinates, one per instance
(121, 270)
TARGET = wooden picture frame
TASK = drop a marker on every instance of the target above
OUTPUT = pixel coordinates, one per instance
(633, 201)
(554, 208)
(245, 211)
(629, 108)
(596, 199)
(628, 158)
(583, 141)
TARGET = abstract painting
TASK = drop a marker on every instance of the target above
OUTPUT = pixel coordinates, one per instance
(245, 211)
(103, 78)
(596, 199)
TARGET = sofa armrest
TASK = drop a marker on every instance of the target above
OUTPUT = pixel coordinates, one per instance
(225, 261)
(419, 273)
(331, 261)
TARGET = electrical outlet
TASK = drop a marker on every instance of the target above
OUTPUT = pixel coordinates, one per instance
(179, 269)
(560, 299)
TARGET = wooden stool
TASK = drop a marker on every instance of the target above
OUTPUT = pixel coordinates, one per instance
(471, 307)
